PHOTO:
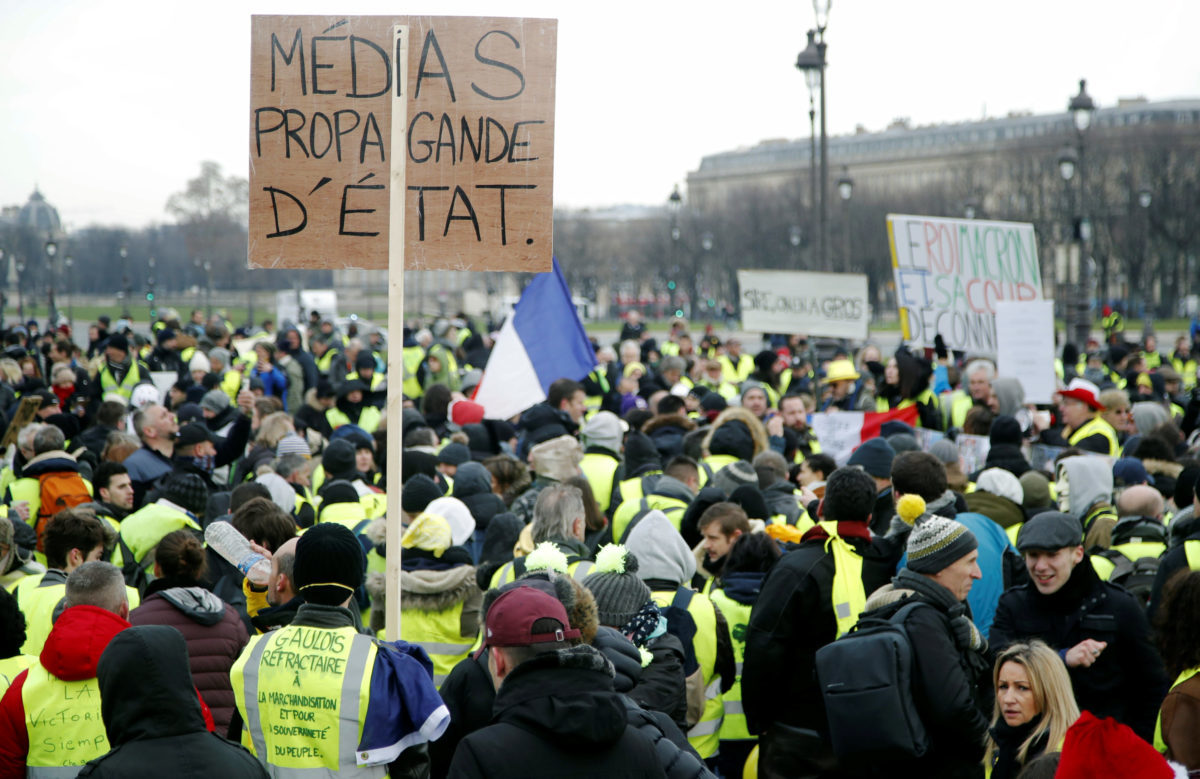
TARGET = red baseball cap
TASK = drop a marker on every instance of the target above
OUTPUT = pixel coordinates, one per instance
(1085, 392)
(511, 616)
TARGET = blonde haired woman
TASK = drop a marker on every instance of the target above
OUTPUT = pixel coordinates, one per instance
(1035, 706)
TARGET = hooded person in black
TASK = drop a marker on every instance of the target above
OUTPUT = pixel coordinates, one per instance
(153, 716)
(473, 486)
(556, 708)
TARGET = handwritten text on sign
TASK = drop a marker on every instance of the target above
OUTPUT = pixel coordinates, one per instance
(827, 304)
(950, 273)
(479, 149)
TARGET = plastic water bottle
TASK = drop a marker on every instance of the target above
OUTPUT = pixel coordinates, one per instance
(233, 546)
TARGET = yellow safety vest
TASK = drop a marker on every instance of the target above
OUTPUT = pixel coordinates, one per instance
(733, 726)
(1186, 371)
(1159, 743)
(63, 722)
(352, 516)
(599, 469)
(325, 361)
(144, 528)
(377, 378)
(713, 463)
(960, 403)
(125, 388)
(577, 569)
(231, 383)
(37, 603)
(926, 397)
(849, 597)
(1134, 550)
(368, 420)
(634, 487)
(11, 667)
(303, 694)
(1192, 550)
(440, 634)
(1092, 427)
(412, 358)
(673, 508)
(28, 489)
(736, 374)
(704, 735)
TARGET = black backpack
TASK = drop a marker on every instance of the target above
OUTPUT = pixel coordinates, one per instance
(866, 682)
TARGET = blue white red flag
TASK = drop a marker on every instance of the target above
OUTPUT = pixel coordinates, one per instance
(541, 342)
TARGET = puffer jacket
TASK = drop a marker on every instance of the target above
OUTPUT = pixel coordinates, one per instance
(214, 633)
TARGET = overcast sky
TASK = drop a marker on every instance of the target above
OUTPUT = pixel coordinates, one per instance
(109, 107)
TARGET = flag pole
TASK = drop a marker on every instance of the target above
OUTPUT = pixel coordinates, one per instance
(395, 394)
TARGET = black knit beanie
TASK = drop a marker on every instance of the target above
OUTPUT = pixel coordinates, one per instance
(418, 492)
(329, 564)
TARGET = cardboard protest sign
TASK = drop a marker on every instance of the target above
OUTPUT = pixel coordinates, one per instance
(950, 273)
(1025, 346)
(23, 416)
(478, 146)
(826, 304)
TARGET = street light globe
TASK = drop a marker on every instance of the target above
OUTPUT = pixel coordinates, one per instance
(1082, 107)
(706, 241)
(1067, 160)
(1144, 197)
(821, 9)
(969, 212)
(845, 187)
(809, 62)
(124, 252)
(794, 235)
(51, 249)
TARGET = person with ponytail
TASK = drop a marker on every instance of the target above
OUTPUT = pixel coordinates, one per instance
(214, 633)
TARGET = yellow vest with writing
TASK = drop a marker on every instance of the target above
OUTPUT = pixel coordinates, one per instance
(63, 722)
(302, 692)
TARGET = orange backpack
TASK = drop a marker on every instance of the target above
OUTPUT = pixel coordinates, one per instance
(59, 490)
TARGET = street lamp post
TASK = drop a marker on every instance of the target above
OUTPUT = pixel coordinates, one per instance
(51, 311)
(207, 291)
(674, 204)
(20, 291)
(706, 243)
(1082, 108)
(124, 253)
(4, 292)
(150, 289)
(845, 187)
(1144, 198)
(811, 62)
(69, 263)
(1068, 161)
(795, 234)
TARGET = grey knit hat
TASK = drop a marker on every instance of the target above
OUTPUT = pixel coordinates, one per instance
(619, 594)
(936, 543)
(735, 475)
(215, 400)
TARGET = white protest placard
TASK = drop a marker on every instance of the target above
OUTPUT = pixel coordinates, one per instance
(839, 432)
(826, 304)
(1025, 346)
(973, 451)
(163, 381)
(951, 273)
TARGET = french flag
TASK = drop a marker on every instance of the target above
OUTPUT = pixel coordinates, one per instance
(541, 342)
(841, 432)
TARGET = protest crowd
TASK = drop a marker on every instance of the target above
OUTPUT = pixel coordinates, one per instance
(702, 558)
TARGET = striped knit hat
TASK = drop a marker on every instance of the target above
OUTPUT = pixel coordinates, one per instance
(936, 543)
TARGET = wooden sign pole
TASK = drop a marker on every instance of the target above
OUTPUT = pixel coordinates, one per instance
(395, 398)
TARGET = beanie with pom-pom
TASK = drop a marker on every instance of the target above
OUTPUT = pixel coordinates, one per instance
(619, 593)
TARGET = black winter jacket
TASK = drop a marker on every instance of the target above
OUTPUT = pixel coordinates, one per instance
(791, 620)
(558, 715)
(947, 691)
(1127, 681)
(152, 715)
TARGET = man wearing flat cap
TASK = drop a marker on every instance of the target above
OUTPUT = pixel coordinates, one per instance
(1098, 629)
(317, 697)
(556, 709)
